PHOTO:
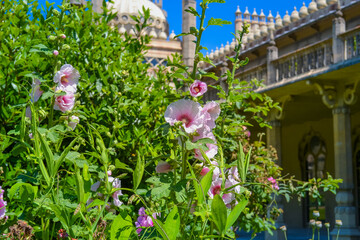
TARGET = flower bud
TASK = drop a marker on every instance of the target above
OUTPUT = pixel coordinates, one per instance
(66, 47)
(56, 12)
(52, 38)
(312, 222)
(316, 214)
(283, 228)
(163, 167)
(55, 52)
(63, 36)
(327, 225)
(338, 223)
(318, 224)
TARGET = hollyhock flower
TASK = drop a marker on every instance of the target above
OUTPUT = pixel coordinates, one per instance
(204, 171)
(186, 111)
(67, 76)
(274, 183)
(3, 204)
(144, 220)
(63, 36)
(246, 131)
(56, 52)
(35, 91)
(198, 88)
(216, 189)
(163, 167)
(116, 183)
(65, 103)
(73, 121)
(211, 110)
(212, 148)
(217, 171)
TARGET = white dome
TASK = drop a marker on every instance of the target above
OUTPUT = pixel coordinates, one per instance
(132, 7)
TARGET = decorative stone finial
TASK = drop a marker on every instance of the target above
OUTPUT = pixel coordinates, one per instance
(286, 19)
(222, 50)
(172, 35)
(303, 11)
(295, 15)
(238, 10)
(153, 33)
(216, 53)
(227, 47)
(132, 32)
(247, 14)
(211, 56)
(330, 2)
(278, 21)
(163, 35)
(233, 44)
(321, 4)
(271, 24)
(255, 16)
(312, 7)
(262, 17)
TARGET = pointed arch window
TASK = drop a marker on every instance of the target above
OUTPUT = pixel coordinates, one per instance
(312, 156)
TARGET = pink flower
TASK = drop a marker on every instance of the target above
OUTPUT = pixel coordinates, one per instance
(3, 204)
(163, 167)
(274, 183)
(198, 88)
(246, 131)
(211, 110)
(67, 76)
(116, 183)
(63, 36)
(186, 111)
(216, 189)
(212, 148)
(204, 171)
(35, 91)
(144, 220)
(65, 103)
(73, 121)
(56, 52)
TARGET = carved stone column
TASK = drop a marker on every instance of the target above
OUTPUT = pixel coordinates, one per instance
(339, 26)
(272, 54)
(338, 98)
(189, 20)
(344, 169)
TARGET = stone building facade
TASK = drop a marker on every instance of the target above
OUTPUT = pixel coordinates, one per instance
(309, 61)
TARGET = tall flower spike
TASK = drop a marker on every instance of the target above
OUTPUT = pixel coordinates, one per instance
(186, 111)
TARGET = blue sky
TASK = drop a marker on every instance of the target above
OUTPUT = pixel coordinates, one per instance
(215, 35)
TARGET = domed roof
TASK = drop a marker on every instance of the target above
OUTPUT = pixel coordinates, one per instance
(132, 7)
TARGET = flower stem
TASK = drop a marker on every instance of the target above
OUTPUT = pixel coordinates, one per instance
(337, 235)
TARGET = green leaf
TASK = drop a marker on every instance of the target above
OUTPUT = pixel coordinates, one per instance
(218, 22)
(139, 171)
(22, 125)
(86, 172)
(206, 181)
(159, 226)
(219, 213)
(121, 228)
(172, 223)
(25, 191)
(96, 202)
(198, 190)
(235, 213)
(49, 156)
(192, 11)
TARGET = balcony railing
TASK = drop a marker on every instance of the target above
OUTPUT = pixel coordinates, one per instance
(303, 61)
(352, 43)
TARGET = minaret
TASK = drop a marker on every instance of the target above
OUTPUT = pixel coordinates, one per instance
(188, 20)
(238, 20)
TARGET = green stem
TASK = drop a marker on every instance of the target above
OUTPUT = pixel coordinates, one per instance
(198, 40)
(313, 233)
(337, 235)
(285, 235)
(328, 232)
(51, 113)
(318, 233)
(184, 159)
